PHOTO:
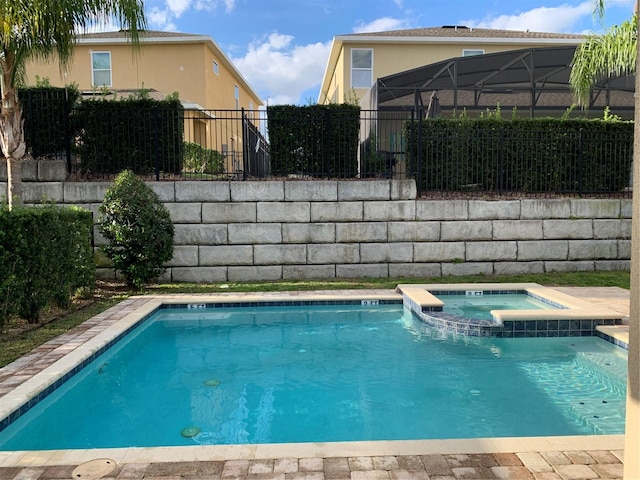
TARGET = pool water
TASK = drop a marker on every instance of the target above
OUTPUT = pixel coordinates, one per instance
(319, 374)
(480, 306)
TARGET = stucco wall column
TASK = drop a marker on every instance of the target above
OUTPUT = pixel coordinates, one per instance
(632, 426)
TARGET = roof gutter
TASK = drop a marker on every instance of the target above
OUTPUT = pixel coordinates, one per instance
(467, 40)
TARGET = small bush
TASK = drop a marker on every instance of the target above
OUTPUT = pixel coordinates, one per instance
(198, 159)
(138, 228)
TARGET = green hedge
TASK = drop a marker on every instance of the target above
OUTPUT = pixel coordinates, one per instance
(316, 140)
(45, 257)
(46, 116)
(142, 135)
(524, 155)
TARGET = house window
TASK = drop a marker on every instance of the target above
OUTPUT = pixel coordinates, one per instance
(101, 69)
(361, 68)
(471, 52)
(237, 96)
(216, 68)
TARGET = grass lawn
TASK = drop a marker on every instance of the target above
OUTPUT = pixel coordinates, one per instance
(18, 337)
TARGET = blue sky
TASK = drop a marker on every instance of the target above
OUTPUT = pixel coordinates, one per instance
(281, 46)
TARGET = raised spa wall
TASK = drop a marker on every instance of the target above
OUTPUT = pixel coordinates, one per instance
(272, 230)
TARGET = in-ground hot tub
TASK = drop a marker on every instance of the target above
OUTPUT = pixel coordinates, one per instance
(523, 310)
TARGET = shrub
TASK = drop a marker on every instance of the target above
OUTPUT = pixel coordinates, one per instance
(46, 117)
(46, 256)
(138, 228)
(140, 134)
(198, 159)
(520, 155)
(317, 140)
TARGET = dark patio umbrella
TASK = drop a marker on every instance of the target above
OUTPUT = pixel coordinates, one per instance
(433, 110)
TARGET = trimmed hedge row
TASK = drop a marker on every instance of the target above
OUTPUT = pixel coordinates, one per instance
(525, 155)
(142, 135)
(46, 118)
(316, 140)
(45, 257)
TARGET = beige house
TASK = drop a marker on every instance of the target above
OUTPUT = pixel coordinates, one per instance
(194, 66)
(357, 60)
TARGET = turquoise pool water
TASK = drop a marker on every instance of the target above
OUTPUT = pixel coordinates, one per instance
(317, 374)
(480, 307)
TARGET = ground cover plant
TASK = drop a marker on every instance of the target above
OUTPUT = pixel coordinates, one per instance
(18, 337)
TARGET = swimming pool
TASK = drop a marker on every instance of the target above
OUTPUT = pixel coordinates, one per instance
(365, 373)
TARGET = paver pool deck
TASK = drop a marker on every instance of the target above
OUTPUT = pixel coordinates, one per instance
(543, 458)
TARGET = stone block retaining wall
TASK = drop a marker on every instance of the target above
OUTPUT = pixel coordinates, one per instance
(274, 230)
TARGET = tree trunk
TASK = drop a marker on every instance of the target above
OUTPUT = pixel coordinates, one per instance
(13, 144)
(11, 129)
(14, 182)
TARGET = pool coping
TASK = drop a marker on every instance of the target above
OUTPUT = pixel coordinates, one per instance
(570, 316)
(313, 450)
(107, 327)
(572, 305)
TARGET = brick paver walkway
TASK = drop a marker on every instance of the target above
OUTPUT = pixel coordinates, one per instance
(517, 466)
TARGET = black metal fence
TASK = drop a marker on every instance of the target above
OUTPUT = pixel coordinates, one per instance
(389, 143)
(519, 158)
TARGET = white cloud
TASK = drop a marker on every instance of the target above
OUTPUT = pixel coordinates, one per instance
(178, 7)
(281, 71)
(211, 5)
(562, 18)
(380, 25)
(161, 19)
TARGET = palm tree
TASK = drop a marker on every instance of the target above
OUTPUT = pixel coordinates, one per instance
(612, 54)
(617, 52)
(39, 29)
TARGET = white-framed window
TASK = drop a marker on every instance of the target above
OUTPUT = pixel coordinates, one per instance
(361, 67)
(101, 69)
(216, 68)
(470, 52)
(236, 93)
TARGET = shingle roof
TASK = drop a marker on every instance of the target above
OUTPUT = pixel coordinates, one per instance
(143, 33)
(465, 32)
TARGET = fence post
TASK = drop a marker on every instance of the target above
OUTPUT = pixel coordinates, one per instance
(156, 121)
(67, 130)
(501, 172)
(31, 141)
(326, 144)
(580, 162)
(418, 150)
(245, 146)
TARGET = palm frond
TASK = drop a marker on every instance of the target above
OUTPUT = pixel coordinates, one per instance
(599, 57)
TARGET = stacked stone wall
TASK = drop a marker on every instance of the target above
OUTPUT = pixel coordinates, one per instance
(275, 230)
